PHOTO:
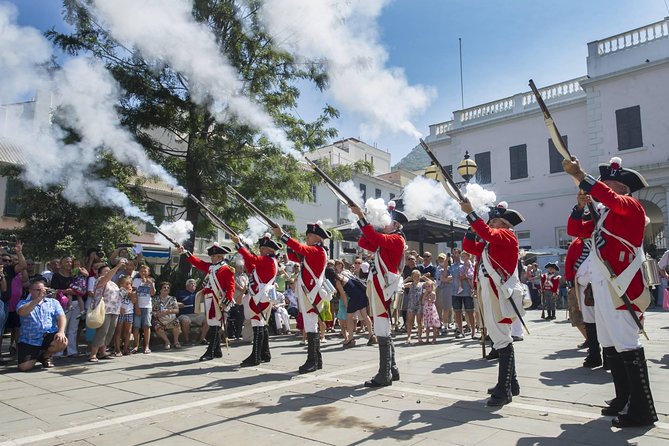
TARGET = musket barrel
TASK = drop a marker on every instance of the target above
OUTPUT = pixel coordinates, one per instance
(254, 208)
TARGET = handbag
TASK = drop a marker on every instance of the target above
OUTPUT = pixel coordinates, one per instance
(665, 301)
(95, 316)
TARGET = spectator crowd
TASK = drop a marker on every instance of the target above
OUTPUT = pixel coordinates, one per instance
(44, 314)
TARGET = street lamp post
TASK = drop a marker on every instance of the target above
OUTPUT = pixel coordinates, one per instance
(466, 168)
(171, 212)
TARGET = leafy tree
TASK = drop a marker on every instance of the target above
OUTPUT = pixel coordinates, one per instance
(204, 155)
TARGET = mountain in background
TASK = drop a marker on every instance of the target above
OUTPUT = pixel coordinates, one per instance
(417, 159)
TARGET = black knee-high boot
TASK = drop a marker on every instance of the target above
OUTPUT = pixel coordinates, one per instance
(641, 410)
(265, 355)
(394, 371)
(620, 382)
(502, 393)
(312, 354)
(254, 358)
(218, 353)
(594, 358)
(383, 377)
(209, 353)
(515, 385)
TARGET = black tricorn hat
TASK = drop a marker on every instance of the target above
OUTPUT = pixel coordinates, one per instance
(317, 228)
(502, 211)
(266, 240)
(614, 171)
(218, 249)
(396, 215)
(552, 265)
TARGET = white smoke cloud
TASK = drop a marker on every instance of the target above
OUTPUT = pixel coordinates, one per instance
(376, 212)
(179, 231)
(355, 194)
(254, 230)
(21, 49)
(426, 196)
(165, 30)
(86, 95)
(345, 35)
(480, 198)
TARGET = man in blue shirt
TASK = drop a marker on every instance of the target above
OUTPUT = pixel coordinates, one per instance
(187, 314)
(42, 328)
(462, 273)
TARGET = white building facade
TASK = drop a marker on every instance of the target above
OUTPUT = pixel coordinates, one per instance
(618, 109)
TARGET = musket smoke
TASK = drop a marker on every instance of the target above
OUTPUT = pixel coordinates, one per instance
(179, 231)
(166, 31)
(83, 96)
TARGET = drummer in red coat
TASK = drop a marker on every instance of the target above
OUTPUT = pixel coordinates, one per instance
(262, 291)
(498, 254)
(310, 289)
(218, 289)
(388, 247)
(617, 236)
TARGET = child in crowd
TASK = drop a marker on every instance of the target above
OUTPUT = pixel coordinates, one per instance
(78, 285)
(414, 307)
(430, 314)
(124, 324)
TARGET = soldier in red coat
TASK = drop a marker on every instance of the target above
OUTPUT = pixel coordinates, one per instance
(388, 247)
(262, 291)
(310, 289)
(550, 287)
(218, 289)
(577, 276)
(615, 272)
(497, 273)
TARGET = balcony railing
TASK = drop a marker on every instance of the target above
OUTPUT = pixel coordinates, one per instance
(633, 38)
(563, 91)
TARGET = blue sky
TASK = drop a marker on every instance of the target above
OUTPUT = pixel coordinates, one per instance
(504, 44)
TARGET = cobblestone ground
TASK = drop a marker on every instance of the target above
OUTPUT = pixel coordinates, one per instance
(168, 397)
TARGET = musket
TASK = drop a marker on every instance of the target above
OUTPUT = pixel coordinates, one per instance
(450, 186)
(550, 124)
(215, 219)
(257, 211)
(334, 187)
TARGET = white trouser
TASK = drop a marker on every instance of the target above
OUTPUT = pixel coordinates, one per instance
(310, 321)
(381, 324)
(583, 278)
(208, 302)
(281, 318)
(517, 328)
(72, 317)
(615, 328)
(499, 333)
(248, 313)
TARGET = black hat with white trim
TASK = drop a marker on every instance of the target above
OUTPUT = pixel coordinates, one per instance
(613, 170)
(266, 240)
(502, 211)
(317, 228)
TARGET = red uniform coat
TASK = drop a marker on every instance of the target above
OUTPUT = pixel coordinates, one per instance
(265, 267)
(502, 250)
(391, 251)
(314, 256)
(626, 219)
(573, 253)
(225, 276)
(550, 283)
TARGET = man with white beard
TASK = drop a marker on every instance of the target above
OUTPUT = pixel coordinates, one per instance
(388, 247)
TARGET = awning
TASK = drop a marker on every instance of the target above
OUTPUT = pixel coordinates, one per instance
(156, 253)
(429, 229)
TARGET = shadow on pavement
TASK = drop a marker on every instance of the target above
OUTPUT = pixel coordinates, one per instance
(593, 432)
(578, 375)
